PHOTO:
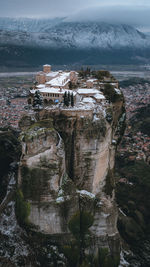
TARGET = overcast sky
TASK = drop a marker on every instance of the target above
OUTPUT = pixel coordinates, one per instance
(132, 11)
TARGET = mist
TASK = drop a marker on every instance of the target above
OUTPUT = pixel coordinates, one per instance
(133, 12)
(138, 16)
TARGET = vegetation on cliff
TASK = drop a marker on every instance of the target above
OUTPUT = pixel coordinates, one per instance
(112, 95)
(110, 183)
(101, 75)
(78, 226)
(134, 201)
(80, 252)
(22, 208)
(10, 151)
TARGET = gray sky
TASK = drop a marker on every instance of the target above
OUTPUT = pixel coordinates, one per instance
(53, 8)
(128, 11)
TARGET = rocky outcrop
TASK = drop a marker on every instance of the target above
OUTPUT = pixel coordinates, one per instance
(67, 167)
(14, 248)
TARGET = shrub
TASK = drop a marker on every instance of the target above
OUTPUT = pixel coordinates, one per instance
(110, 184)
(111, 94)
(80, 223)
(106, 260)
(101, 74)
(72, 253)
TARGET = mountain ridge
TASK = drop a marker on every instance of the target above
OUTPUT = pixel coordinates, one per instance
(58, 41)
(60, 34)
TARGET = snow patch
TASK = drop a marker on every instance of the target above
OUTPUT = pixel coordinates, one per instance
(114, 142)
(85, 193)
(123, 262)
(88, 100)
(95, 118)
(117, 91)
(105, 215)
(122, 212)
(62, 199)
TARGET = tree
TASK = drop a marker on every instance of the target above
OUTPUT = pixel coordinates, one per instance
(72, 100)
(100, 74)
(109, 92)
(88, 71)
(70, 85)
(69, 98)
(35, 84)
(83, 73)
(79, 226)
(37, 100)
(65, 96)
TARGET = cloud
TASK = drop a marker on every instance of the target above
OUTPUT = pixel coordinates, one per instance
(136, 16)
(134, 12)
(41, 8)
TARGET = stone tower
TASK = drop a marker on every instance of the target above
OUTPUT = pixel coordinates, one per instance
(47, 68)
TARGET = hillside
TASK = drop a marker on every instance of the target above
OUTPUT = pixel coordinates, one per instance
(31, 41)
(79, 35)
(133, 173)
(141, 120)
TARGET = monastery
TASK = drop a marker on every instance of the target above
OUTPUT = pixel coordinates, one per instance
(53, 84)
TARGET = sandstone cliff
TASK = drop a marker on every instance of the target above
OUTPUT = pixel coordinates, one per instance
(66, 168)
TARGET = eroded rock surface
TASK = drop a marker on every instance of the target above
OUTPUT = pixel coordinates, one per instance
(67, 166)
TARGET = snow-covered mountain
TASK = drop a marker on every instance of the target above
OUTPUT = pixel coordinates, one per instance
(58, 33)
(30, 42)
(97, 35)
(28, 24)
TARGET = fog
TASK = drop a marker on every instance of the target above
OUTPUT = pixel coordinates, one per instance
(133, 12)
(136, 16)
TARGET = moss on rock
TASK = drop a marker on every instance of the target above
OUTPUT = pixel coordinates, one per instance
(110, 183)
(22, 208)
(35, 182)
(10, 151)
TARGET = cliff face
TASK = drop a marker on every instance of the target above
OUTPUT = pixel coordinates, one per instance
(14, 249)
(67, 167)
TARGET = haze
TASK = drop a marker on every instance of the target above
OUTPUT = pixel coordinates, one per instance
(133, 12)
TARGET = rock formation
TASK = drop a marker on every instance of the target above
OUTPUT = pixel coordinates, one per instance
(66, 169)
